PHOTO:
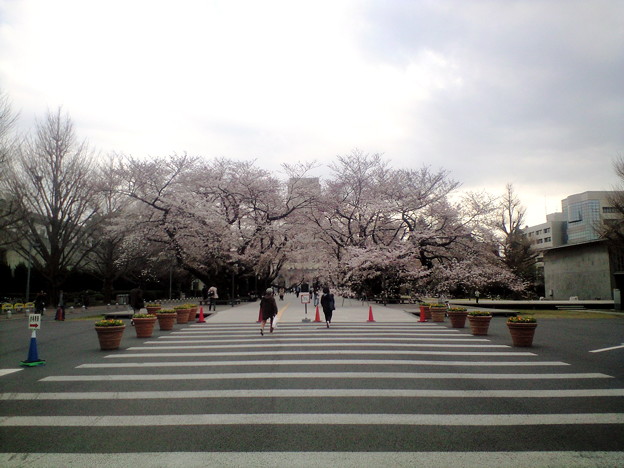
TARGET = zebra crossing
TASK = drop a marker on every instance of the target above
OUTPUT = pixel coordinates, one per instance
(380, 394)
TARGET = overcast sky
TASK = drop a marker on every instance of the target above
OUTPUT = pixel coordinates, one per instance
(527, 92)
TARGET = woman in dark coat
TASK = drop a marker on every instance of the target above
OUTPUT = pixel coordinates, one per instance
(268, 308)
(329, 305)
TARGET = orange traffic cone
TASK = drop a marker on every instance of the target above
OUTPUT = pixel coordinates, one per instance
(201, 318)
(422, 315)
(370, 314)
(318, 317)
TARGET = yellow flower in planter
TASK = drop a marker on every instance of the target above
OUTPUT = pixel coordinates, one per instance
(521, 319)
(109, 323)
(478, 313)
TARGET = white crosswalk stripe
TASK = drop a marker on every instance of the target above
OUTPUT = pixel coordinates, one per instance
(323, 375)
(327, 362)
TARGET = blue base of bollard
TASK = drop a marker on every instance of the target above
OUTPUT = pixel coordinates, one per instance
(32, 363)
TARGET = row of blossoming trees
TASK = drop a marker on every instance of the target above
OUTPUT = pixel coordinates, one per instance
(367, 226)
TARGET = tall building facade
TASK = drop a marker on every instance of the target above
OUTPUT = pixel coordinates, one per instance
(584, 213)
(576, 262)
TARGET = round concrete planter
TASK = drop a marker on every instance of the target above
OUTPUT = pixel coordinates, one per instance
(110, 337)
(438, 313)
(479, 324)
(522, 333)
(458, 318)
(144, 327)
(183, 315)
(166, 321)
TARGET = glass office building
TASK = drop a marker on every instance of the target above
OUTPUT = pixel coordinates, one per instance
(582, 218)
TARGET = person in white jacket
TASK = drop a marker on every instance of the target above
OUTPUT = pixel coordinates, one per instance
(213, 296)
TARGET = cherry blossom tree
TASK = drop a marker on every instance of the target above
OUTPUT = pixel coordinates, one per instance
(117, 251)
(389, 229)
(219, 217)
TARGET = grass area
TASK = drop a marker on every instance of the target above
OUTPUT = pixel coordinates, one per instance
(90, 317)
(575, 314)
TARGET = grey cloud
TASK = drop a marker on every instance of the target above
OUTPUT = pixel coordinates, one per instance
(541, 81)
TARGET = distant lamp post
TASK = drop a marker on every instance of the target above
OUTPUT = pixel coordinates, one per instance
(232, 252)
(28, 274)
(233, 285)
(170, 282)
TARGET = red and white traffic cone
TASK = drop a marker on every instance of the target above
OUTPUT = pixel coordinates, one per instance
(201, 318)
(370, 314)
(318, 317)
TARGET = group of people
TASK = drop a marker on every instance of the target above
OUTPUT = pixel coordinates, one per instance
(268, 308)
(136, 301)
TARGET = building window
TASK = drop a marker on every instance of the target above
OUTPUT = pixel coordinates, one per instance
(546, 230)
(547, 239)
(609, 209)
(575, 213)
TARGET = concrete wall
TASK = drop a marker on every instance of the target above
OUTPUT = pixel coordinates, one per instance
(581, 270)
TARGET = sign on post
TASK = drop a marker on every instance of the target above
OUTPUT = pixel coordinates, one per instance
(305, 300)
(34, 321)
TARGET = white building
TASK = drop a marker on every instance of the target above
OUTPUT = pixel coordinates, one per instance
(575, 261)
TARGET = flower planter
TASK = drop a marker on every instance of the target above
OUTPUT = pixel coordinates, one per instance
(479, 324)
(144, 327)
(522, 333)
(458, 318)
(166, 321)
(110, 337)
(192, 314)
(183, 315)
(425, 312)
(438, 314)
(152, 309)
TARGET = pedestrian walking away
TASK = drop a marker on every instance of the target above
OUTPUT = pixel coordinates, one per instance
(136, 302)
(213, 296)
(329, 305)
(268, 309)
(41, 301)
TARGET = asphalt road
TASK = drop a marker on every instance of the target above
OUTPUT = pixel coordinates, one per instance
(394, 392)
